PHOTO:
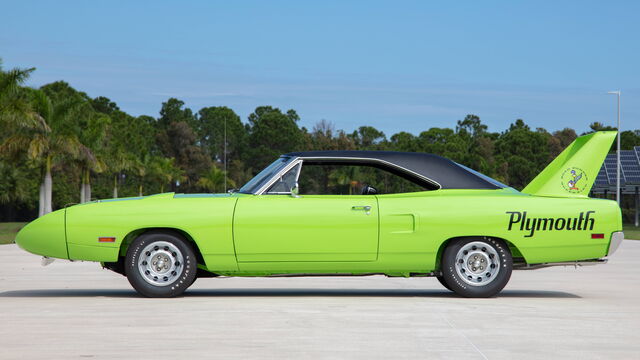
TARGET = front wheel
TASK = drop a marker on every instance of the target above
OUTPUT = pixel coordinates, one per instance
(476, 267)
(160, 265)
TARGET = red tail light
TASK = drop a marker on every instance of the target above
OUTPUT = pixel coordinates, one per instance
(597, 236)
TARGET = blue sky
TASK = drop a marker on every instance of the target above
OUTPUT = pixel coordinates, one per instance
(395, 65)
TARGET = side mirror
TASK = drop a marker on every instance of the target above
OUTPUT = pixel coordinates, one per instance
(295, 190)
(369, 190)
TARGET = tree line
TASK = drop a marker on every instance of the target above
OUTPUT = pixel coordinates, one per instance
(59, 146)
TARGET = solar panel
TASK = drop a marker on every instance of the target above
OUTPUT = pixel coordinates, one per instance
(610, 166)
(629, 169)
(630, 166)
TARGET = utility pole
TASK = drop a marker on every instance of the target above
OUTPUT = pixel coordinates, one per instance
(224, 156)
(618, 151)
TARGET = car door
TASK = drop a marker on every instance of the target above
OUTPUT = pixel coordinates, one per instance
(283, 227)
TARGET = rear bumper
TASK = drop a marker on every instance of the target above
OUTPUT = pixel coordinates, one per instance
(575, 264)
(616, 240)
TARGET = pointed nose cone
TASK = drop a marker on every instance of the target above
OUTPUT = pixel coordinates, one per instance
(45, 236)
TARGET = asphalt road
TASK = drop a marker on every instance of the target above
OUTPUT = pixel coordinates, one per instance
(77, 310)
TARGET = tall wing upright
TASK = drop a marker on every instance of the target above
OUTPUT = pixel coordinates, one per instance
(573, 172)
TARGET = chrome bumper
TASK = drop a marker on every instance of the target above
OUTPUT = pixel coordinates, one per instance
(575, 264)
(616, 240)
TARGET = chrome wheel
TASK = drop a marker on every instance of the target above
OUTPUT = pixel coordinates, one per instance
(477, 263)
(161, 263)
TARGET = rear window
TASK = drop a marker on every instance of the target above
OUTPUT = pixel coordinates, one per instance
(484, 177)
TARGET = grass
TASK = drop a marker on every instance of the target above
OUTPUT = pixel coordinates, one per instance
(631, 232)
(9, 230)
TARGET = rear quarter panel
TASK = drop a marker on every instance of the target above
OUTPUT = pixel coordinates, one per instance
(413, 227)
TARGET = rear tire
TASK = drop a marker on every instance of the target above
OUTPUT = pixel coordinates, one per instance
(443, 283)
(160, 264)
(477, 267)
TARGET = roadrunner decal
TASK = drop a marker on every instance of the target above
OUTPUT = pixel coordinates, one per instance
(573, 180)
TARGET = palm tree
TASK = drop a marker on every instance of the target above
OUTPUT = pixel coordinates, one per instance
(45, 145)
(91, 154)
(142, 167)
(118, 161)
(15, 184)
(213, 180)
(15, 109)
(165, 171)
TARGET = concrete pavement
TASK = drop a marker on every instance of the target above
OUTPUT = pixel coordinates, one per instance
(77, 310)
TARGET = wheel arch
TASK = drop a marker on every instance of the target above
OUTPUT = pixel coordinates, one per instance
(134, 234)
(516, 254)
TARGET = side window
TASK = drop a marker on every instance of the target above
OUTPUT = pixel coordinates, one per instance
(350, 179)
(286, 182)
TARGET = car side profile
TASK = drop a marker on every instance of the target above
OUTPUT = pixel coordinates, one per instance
(349, 213)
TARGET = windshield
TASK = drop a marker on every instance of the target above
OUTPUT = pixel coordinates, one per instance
(264, 176)
(485, 177)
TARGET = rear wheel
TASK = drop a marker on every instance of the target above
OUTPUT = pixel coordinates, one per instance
(443, 283)
(160, 265)
(476, 267)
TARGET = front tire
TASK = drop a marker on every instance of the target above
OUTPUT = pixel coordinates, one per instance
(160, 264)
(477, 267)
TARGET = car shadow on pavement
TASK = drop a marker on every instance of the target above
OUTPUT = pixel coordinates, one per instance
(429, 293)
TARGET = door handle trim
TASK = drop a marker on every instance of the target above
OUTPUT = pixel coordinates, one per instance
(365, 208)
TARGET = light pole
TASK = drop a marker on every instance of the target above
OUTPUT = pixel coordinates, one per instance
(618, 152)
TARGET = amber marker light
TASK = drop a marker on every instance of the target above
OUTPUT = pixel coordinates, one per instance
(106, 239)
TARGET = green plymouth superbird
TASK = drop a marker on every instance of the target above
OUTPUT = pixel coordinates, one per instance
(348, 213)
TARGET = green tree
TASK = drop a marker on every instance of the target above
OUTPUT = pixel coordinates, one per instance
(271, 134)
(560, 140)
(524, 151)
(214, 180)
(213, 123)
(45, 146)
(164, 171)
(404, 141)
(179, 142)
(172, 111)
(324, 136)
(91, 155)
(472, 134)
(15, 107)
(368, 138)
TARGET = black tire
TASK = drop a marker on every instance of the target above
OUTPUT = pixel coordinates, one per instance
(173, 257)
(443, 283)
(486, 264)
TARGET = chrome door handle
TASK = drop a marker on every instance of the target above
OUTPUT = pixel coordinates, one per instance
(366, 208)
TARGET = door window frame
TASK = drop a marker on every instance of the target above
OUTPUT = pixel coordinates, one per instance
(384, 165)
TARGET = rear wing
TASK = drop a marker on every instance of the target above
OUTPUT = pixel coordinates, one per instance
(574, 171)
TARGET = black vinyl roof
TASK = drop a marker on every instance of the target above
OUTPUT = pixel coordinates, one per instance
(448, 174)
